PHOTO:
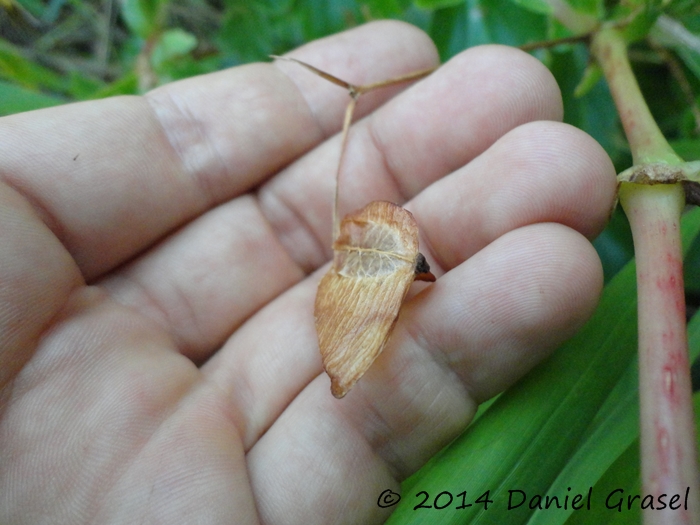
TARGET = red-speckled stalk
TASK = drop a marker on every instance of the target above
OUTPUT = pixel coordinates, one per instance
(668, 442)
(668, 449)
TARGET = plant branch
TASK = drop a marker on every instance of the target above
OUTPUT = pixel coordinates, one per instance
(645, 138)
(544, 44)
(653, 202)
(668, 446)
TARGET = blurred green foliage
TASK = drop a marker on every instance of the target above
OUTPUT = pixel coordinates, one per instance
(56, 51)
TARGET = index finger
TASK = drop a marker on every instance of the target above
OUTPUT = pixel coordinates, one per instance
(111, 177)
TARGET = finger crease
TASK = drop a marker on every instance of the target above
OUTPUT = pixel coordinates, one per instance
(184, 120)
(43, 212)
(394, 177)
(288, 214)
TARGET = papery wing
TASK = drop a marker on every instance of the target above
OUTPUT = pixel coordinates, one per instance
(359, 299)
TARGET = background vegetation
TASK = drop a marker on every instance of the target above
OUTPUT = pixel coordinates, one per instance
(572, 422)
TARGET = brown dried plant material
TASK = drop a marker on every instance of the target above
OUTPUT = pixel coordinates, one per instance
(357, 304)
(375, 261)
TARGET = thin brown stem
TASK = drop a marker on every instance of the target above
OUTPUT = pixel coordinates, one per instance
(335, 80)
(343, 143)
(415, 75)
(545, 44)
(355, 91)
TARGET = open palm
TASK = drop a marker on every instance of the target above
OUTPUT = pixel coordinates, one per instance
(158, 265)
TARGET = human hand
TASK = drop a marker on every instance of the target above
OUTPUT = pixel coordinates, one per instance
(158, 270)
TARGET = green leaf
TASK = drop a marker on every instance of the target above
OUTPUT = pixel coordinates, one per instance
(126, 85)
(614, 246)
(691, 270)
(477, 22)
(584, 8)
(530, 434)
(172, 44)
(35, 7)
(578, 17)
(15, 66)
(613, 430)
(690, 230)
(15, 99)
(83, 87)
(690, 58)
(616, 426)
(536, 6)
(674, 34)
(624, 472)
(437, 4)
(636, 19)
(595, 8)
(246, 32)
(591, 76)
(386, 8)
(595, 112)
(143, 17)
(688, 149)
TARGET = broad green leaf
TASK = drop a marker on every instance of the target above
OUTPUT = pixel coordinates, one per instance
(512, 25)
(15, 99)
(16, 67)
(477, 22)
(529, 435)
(615, 427)
(623, 474)
(613, 430)
(448, 29)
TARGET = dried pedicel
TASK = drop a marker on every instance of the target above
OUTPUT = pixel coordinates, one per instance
(375, 261)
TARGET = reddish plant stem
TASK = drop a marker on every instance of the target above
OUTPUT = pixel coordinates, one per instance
(668, 442)
(668, 446)
(645, 138)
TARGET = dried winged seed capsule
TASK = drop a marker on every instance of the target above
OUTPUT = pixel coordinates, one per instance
(375, 261)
